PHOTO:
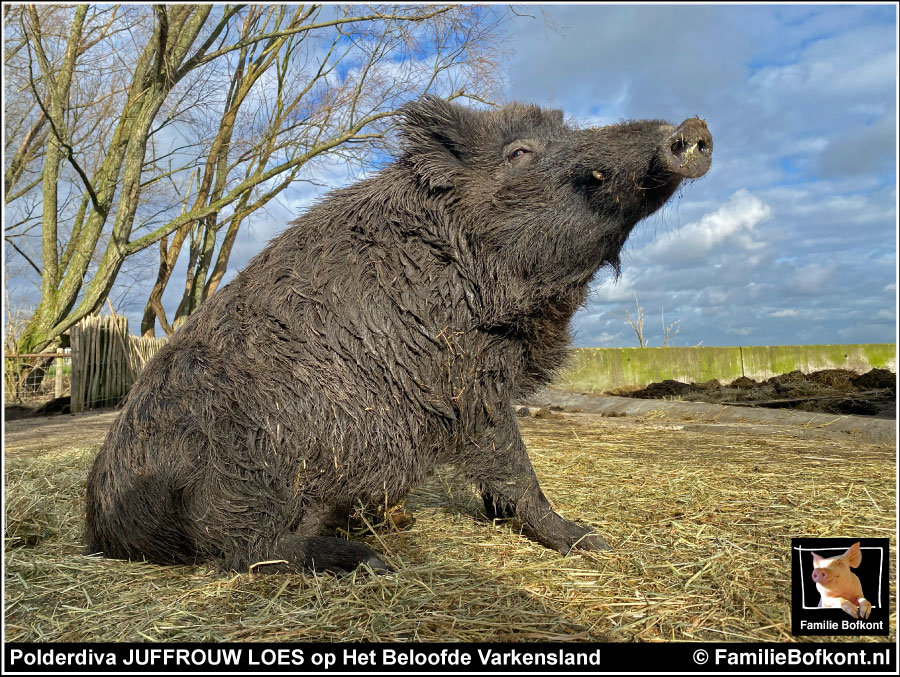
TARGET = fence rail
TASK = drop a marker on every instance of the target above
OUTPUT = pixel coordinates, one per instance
(35, 386)
(12, 356)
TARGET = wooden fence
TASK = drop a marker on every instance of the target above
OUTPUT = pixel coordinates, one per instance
(106, 360)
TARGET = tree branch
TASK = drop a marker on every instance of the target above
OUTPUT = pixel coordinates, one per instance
(198, 59)
(234, 194)
(9, 240)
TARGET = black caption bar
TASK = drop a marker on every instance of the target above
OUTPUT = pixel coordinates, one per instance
(443, 658)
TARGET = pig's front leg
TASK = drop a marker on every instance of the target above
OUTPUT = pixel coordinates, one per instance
(864, 607)
(498, 463)
(848, 606)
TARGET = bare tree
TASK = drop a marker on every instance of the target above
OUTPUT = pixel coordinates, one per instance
(135, 125)
(669, 331)
(383, 69)
(637, 324)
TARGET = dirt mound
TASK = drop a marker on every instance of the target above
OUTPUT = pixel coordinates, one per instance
(667, 388)
(877, 378)
(13, 412)
(836, 391)
(58, 405)
(833, 378)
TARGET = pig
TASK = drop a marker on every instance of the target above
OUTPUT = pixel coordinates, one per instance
(385, 332)
(838, 586)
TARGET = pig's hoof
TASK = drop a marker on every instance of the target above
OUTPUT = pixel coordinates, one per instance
(590, 542)
(401, 519)
(581, 538)
(374, 563)
(379, 566)
(864, 608)
(850, 608)
(340, 556)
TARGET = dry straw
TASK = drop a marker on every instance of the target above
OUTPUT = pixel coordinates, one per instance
(700, 525)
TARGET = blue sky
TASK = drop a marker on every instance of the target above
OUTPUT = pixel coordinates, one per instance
(791, 236)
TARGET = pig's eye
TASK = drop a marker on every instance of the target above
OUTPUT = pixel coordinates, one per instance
(518, 152)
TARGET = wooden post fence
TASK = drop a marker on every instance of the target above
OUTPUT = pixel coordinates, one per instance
(106, 360)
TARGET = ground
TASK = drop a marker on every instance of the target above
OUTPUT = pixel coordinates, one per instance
(700, 525)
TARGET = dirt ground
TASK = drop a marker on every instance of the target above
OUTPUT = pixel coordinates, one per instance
(700, 526)
(833, 391)
(64, 431)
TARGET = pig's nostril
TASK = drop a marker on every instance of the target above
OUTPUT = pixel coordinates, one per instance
(688, 150)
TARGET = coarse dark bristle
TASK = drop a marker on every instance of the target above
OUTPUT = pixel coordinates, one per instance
(381, 335)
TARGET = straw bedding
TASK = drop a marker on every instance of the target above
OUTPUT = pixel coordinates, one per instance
(700, 525)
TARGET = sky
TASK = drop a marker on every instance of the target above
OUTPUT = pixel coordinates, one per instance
(791, 236)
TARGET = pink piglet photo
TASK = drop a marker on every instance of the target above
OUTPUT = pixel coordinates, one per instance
(838, 585)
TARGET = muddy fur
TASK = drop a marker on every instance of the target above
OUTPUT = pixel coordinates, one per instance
(386, 331)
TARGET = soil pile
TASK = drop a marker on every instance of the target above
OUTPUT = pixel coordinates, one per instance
(834, 391)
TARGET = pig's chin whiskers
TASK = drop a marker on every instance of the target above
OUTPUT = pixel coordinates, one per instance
(614, 264)
(660, 184)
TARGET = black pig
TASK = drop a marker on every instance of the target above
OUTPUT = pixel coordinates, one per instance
(385, 332)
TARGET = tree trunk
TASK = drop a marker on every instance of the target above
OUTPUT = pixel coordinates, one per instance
(152, 82)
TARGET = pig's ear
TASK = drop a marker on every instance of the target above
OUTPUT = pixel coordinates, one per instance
(853, 555)
(436, 133)
(817, 559)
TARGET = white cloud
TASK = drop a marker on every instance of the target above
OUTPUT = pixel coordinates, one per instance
(732, 223)
(603, 338)
(605, 290)
(854, 64)
(787, 312)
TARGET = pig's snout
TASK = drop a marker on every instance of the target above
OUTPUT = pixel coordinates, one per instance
(688, 150)
(820, 576)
